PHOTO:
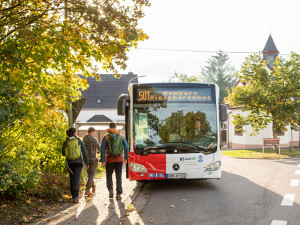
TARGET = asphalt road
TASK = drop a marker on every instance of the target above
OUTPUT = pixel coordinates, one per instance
(262, 192)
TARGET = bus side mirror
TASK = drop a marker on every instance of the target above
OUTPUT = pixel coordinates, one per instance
(223, 112)
(122, 104)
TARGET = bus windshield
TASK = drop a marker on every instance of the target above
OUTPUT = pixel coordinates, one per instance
(174, 127)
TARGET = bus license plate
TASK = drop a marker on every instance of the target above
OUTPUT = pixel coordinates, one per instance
(177, 176)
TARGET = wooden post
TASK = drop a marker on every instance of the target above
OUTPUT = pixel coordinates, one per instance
(263, 147)
(279, 144)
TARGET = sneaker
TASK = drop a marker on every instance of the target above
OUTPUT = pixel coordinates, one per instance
(94, 189)
(111, 194)
(75, 200)
(88, 192)
(119, 197)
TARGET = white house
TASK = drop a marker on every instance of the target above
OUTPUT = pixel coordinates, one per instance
(238, 140)
(100, 107)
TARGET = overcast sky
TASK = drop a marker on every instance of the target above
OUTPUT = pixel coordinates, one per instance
(210, 25)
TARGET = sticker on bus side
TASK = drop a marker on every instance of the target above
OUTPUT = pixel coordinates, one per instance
(156, 175)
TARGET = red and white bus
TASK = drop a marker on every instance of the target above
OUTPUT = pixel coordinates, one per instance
(173, 130)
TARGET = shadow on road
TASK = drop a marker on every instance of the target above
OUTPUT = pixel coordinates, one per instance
(233, 200)
(293, 161)
(89, 214)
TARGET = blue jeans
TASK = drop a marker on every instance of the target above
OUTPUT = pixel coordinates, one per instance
(76, 168)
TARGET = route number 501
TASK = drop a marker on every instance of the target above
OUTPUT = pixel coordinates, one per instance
(144, 95)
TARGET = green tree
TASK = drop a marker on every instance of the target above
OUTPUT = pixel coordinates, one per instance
(220, 72)
(181, 77)
(270, 96)
(44, 45)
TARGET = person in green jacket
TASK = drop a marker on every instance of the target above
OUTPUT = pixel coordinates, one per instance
(75, 164)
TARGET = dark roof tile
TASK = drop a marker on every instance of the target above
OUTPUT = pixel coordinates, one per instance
(99, 118)
(270, 46)
(107, 91)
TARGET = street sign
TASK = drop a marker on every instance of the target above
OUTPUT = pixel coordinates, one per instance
(271, 141)
(76, 107)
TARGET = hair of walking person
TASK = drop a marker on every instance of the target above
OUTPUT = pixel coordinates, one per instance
(112, 125)
(91, 129)
(71, 132)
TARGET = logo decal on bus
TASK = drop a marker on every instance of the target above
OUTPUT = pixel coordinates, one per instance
(176, 167)
(200, 158)
(182, 159)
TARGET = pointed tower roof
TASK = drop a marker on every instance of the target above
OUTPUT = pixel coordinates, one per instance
(270, 46)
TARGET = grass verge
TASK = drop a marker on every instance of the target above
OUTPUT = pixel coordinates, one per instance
(257, 153)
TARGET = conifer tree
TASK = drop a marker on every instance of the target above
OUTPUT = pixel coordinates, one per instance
(219, 71)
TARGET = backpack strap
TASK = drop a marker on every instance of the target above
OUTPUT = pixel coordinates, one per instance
(106, 137)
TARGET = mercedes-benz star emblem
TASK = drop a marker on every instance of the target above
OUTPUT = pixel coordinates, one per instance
(176, 167)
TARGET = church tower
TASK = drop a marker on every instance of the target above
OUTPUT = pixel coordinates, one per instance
(270, 52)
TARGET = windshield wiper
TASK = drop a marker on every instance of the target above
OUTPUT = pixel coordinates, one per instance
(212, 145)
(191, 145)
(159, 147)
(178, 146)
(156, 149)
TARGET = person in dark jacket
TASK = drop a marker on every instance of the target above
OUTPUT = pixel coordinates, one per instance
(113, 163)
(92, 146)
(75, 167)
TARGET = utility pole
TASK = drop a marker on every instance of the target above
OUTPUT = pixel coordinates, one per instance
(69, 75)
(292, 141)
(70, 115)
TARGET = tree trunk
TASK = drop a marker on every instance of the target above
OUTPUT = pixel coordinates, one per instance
(274, 130)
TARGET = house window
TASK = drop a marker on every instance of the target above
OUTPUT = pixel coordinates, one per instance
(280, 132)
(238, 130)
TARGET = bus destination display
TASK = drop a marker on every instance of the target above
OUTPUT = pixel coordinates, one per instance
(168, 94)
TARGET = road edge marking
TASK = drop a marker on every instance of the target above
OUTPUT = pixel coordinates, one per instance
(288, 200)
(279, 222)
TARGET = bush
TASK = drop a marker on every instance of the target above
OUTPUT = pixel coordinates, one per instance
(16, 176)
(51, 187)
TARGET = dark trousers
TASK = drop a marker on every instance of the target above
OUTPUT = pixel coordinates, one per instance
(110, 168)
(76, 168)
(91, 173)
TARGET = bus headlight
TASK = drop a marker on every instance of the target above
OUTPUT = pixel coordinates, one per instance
(138, 168)
(213, 166)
